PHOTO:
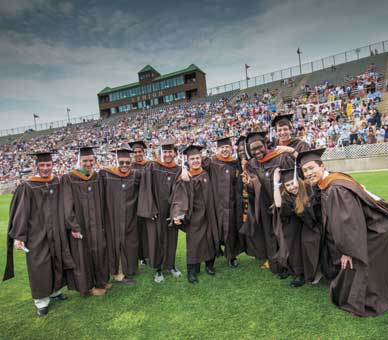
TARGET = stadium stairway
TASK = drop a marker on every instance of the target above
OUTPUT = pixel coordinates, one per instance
(291, 92)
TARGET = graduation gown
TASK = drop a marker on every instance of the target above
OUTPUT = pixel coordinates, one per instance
(195, 201)
(288, 232)
(141, 223)
(356, 225)
(261, 241)
(83, 212)
(36, 218)
(223, 175)
(154, 205)
(120, 197)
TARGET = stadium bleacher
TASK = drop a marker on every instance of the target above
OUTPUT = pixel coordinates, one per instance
(204, 119)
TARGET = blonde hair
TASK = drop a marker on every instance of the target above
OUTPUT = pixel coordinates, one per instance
(301, 198)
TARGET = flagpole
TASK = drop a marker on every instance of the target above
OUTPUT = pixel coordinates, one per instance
(34, 115)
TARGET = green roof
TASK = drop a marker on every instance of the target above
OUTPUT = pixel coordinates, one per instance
(191, 68)
(148, 68)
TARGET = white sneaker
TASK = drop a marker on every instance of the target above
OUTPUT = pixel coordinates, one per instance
(158, 278)
(175, 272)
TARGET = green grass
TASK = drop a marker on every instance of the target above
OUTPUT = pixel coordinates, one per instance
(243, 303)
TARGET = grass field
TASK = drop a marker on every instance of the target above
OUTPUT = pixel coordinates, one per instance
(243, 303)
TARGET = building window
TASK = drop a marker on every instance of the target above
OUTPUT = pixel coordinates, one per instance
(179, 95)
(169, 98)
(113, 110)
(146, 89)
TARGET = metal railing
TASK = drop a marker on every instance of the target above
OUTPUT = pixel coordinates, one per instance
(49, 125)
(320, 64)
(312, 66)
(356, 151)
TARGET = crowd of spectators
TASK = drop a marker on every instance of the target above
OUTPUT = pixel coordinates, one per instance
(325, 115)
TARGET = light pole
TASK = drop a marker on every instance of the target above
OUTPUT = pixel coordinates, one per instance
(35, 116)
(246, 73)
(300, 64)
(68, 114)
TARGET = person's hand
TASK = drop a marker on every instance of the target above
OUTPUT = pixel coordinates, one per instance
(76, 234)
(19, 245)
(284, 149)
(177, 221)
(276, 175)
(345, 260)
(185, 175)
(246, 178)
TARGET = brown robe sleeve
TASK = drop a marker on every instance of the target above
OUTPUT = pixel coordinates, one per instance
(248, 228)
(345, 219)
(17, 226)
(19, 213)
(70, 217)
(101, 185)
(146, 202)
(287, 208)
(180, 200)
(206, 164)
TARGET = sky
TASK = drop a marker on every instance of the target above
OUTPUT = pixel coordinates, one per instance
(59, 54)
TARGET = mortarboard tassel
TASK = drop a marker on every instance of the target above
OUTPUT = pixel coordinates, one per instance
(270, 134)
(246, 151)
(79, 159)
(161, 154)
(295, 174)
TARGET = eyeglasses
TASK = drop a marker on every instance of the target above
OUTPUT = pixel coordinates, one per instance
(124, 163)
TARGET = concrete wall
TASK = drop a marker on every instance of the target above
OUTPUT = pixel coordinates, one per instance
(360, 164)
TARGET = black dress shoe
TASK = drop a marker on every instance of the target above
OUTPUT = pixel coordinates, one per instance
(192, 277)
(233, 263)
(42, 311)
(210, 271)
(60, 297)
(283, 275)
(298, 282)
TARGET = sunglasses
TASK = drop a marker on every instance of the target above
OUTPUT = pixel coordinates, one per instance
(124, 163)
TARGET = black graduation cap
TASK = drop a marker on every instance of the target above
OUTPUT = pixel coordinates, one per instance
(310, 155)
(123, 150)
(43, 156)
(240, 139)
(287, 175)
(168, 145)
(87, 150)
(138, 144)
(193, 150)
(286, 118)
(255, 136)
(224, 141)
